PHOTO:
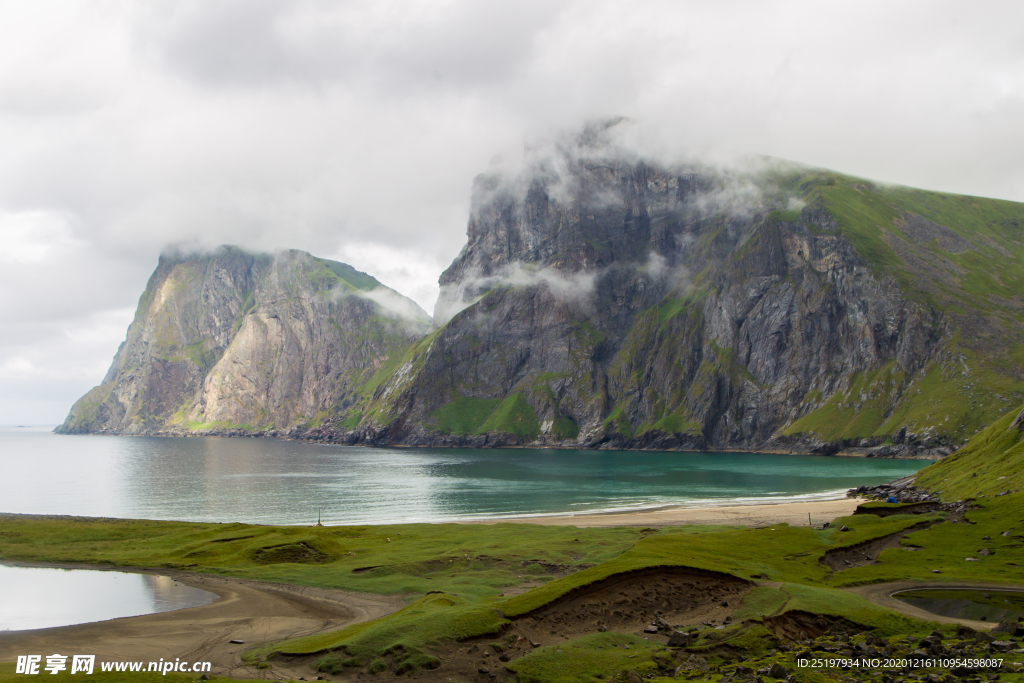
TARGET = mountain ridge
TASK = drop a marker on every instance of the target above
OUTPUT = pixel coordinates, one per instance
(607, 301)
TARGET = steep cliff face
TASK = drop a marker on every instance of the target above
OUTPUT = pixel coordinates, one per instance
(235, 341)
(618, 303)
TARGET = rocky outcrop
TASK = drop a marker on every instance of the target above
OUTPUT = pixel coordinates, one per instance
(605, 301)
(239, 342)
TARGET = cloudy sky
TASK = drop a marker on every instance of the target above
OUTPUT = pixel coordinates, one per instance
(353, 129)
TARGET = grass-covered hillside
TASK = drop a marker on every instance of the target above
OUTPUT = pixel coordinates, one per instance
(991, 464)
(961, 259)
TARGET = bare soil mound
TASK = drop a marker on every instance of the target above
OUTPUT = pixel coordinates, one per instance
(867, 552)
(625, 603)
(800, 625)
(912, 509)
(291, 552)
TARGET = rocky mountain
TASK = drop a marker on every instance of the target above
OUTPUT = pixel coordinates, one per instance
(604, 299)
(233, 342)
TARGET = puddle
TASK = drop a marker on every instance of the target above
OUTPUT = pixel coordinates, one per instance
(979, 605)
(37, 597)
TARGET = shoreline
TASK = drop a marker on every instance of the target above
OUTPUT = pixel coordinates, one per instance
(793, 511)
(851, 452)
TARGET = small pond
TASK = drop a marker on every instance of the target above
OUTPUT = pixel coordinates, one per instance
(979, 605)
(38, 597)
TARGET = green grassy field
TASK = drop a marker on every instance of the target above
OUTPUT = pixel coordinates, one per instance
(472, 560)
(470, 564)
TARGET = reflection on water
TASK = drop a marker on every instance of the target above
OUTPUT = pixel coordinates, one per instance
(283, 482)
(36, 597)
(980, 605)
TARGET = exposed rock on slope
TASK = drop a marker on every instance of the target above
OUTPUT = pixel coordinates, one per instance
(237, 341)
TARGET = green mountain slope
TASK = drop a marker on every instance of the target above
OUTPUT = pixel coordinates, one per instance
(990, 464)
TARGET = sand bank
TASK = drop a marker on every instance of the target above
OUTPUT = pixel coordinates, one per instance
(794, 514)
(251, 611)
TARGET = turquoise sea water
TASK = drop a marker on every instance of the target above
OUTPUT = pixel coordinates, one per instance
(268, 481)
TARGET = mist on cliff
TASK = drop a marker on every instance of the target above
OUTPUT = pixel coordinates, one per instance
(568, 163)
(572, 287)
(582, 169)
(565, 287)
(402, 308)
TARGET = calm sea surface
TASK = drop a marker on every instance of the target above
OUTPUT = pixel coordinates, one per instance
(267, 481)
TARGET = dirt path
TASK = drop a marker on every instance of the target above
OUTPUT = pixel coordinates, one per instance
(881, 594)
(251, 611)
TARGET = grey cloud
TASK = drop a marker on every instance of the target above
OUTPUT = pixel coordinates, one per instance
(354, 129)
(260, 42)
(236, 42)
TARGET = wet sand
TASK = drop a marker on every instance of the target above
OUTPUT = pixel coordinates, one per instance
(794, 514)
(251, 611)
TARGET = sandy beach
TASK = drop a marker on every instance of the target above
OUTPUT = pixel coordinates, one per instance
(794, 514)
(249, 611)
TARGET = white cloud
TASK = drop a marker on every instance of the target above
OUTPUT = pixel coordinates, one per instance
(33, 236)
(400, 307)
(406, 270)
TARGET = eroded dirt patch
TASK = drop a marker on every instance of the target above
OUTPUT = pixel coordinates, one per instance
(866, 552)
(624, 603)
(300, 552)
(911, 509)
(800, 625)
(629, 602)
